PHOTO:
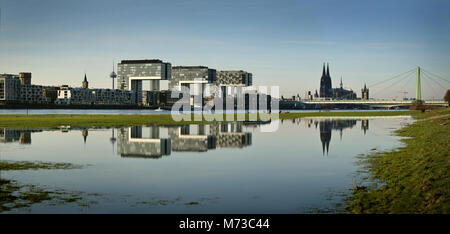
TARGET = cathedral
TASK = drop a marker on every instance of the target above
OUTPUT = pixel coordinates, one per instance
(326, 90)
(325, 84)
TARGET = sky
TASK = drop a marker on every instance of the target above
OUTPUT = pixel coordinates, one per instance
(282, 43)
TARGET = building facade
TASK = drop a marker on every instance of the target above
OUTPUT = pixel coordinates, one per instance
(186, 75)
(31, 94)
(81, 96)
(25, 78)
(131, 73)
(196, 78)
(9, 88)
(229, 80)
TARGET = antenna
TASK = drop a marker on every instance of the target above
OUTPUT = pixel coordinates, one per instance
(113, 75)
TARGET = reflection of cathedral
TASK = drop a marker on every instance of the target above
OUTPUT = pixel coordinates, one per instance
(327, 125)
(365, 125)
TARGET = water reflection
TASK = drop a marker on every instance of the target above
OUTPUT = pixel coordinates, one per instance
(158, 141)
(13, 135)
(229, 167)
(326, 126)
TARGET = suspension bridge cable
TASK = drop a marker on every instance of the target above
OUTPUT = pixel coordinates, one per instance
(380, 91)
(393, 77)
(406, 83)
(437, 76)
(430, 86)
(429, 77)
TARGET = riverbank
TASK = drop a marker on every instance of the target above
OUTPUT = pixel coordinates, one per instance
(31, 121)
(413, 179)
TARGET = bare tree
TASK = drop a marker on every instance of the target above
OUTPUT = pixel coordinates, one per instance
(447, 96)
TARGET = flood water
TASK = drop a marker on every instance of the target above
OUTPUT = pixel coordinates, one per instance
(215, 168)
(135, 111)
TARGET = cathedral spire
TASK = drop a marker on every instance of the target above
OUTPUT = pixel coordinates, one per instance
(342, 85)
(328, 70)
(323, 71)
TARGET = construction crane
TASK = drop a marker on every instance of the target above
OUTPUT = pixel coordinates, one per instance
(404, 94)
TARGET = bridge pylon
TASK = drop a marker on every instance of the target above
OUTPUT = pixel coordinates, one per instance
(418, 87)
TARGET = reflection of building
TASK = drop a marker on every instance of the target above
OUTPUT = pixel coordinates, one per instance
(205, 137)
(325, 134)
(14, 135)
(326, 126)
(155, 141)
(25, 138)
(84, 133)
(365, 125)
(145, 142)
(231, 135)
(194, 137)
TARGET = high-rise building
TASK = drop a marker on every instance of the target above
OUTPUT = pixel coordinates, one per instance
(195, 78)
(229, 80)
(131, 73)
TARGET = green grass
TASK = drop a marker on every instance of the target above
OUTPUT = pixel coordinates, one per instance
(414, 178)
(34, 121)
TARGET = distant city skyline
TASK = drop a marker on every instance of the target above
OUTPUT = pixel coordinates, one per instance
(281, 43)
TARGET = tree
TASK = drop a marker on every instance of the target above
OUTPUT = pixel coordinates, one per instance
(447, 96)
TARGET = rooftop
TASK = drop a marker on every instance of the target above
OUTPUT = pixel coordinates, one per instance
(189, 67)
(141, 61)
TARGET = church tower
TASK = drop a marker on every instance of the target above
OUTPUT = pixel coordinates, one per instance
(85, 83)
(325, 83)
(365, 93)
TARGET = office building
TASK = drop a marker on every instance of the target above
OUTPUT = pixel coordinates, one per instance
(131, 73)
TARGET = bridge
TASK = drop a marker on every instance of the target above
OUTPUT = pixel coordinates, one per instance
(376, 102)
(433, 83)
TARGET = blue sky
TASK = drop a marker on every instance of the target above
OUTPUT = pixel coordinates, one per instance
(281, 42)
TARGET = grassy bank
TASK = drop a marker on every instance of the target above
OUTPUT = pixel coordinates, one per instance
(414, 178)
(14, 195)
(30, 121)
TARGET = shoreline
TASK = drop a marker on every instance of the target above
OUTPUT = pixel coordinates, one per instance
(413, 178)
(92, 120)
